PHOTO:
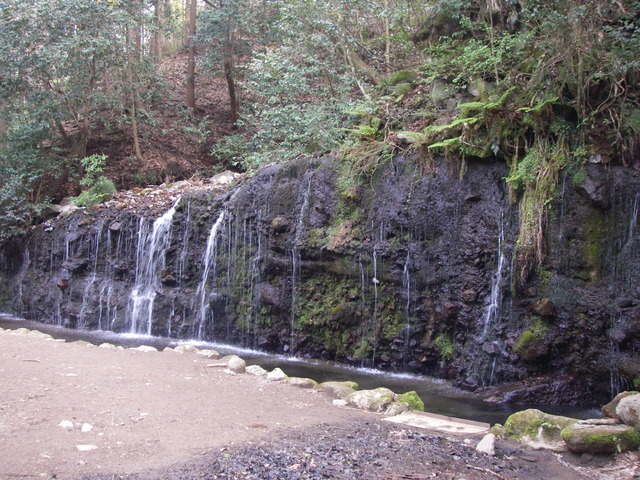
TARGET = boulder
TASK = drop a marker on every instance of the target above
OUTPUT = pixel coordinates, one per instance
(587, 438)
(376, 400)
(339, 390)
(538, 430)
(487, 445)
(144, 348)
(609, 409)
(302, 382)
(256, 370)
(185, 348)
(209, 353)
(276, 375)
(236, 364)
(628, 410)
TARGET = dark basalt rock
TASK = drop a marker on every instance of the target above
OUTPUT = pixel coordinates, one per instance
(408, 270)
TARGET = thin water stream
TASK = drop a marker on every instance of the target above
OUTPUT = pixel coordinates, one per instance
(438, 395)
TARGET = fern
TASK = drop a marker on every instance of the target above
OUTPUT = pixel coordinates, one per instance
(450, 142)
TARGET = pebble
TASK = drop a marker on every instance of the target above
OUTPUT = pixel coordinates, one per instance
(65, 424)
(86, 448)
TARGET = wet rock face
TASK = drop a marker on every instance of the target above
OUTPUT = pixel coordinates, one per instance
(408, 270)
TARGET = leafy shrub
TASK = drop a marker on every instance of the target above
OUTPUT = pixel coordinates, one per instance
(100, 192)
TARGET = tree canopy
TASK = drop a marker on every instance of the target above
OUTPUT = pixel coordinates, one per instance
(542, 85)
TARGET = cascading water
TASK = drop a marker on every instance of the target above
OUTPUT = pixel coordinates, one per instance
(492, 310)
(94, 254)
(295, 259)
(150, 262)
(406, 288)
(208, 267)
(483, 366)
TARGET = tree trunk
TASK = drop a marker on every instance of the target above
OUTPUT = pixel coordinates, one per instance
(231, 84)
(156, 41)
(191, 57)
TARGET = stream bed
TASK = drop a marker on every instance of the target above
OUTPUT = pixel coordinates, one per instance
(439, 396)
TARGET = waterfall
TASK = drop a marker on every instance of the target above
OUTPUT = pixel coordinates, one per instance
(374, 320)
(492, 310)
(87, 295)
(208, 266)
(150, 262)
(295, 259)
(406, 288)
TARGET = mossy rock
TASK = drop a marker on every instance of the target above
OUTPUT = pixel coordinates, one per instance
(302, 382)
(377, 400)
(412, 399)
(609, 409)
(404, 76)
(587, 438)
(537, 429)
(337, 389)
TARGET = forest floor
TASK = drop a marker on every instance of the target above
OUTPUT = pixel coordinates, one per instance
(71, 410)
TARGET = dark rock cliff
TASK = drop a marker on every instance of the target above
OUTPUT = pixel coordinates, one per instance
(408, 271)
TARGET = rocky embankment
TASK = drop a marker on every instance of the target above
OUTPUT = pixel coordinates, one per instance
(409, 271)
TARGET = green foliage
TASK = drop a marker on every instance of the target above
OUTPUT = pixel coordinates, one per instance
(531, 336)
(101, 191)
(444, 344)
(92, 166)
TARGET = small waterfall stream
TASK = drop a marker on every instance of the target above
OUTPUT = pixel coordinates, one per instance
(492, 310)
(209, 265)
(150, 262)
(296, 259)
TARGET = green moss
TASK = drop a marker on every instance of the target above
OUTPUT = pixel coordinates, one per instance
(403, 76)
(528, 423)
(413, 400)
(444, 344)
(604, 442)
(531, 337)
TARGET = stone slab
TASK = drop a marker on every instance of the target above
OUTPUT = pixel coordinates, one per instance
(440, 423)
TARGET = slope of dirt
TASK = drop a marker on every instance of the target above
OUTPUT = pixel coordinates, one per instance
(175, 142)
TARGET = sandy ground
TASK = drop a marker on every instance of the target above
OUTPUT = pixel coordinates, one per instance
(162, 415)
(147, 409)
